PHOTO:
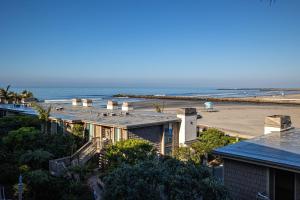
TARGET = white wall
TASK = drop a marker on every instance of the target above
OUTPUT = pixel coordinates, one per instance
(188, 128)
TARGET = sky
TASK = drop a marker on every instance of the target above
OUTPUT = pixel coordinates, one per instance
(150, 43)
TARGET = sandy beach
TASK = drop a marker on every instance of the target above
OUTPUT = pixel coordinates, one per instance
(243, 119)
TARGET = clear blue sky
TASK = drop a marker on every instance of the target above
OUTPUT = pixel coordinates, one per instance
(153, 43)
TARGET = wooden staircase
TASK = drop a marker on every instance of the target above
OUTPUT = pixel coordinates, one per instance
(59, 167)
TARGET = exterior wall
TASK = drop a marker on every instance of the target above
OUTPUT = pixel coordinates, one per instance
(175, 141)
(297, 186)
(188, 128)
(245, 180)
(151, 133)
(53, 127)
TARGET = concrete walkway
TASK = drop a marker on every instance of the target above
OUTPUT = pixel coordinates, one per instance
(97, 191)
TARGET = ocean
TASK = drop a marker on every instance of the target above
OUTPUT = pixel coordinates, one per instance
(101, 95)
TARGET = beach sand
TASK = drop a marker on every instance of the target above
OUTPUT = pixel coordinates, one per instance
(242, 119)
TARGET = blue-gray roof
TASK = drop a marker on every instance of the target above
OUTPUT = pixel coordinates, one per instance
(94, 115)
(278, 149)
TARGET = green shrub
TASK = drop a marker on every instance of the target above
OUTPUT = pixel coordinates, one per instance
(163, 179)
(130, 152)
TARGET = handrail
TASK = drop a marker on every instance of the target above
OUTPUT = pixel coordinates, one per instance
(82, 155)
(81, 149)
(84, 147)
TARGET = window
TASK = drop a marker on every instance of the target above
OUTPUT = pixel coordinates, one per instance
(117, 134)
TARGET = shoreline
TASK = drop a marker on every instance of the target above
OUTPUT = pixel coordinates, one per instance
(282, 100)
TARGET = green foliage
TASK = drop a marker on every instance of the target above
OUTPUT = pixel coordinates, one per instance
(8, 173)
(58, 144)
(26, 94)
(81, 171)
(43, 115)
(130, 152)
(77, 191)
(211, 139)
(162, 179)
(4, 92)
(21, 138)
(14, 96)
(36, 159)
(78, 130)
(10, 123)
(187, 154)
(23, 150)
(208, 140)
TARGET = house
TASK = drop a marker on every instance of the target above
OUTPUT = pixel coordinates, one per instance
(165, 131)
(266, 167)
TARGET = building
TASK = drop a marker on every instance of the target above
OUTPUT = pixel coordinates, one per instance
(266, 167)
(165, 131)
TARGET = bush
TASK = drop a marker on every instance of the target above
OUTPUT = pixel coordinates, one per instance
(10, 123)
(206, 142)
(78, 130)
(162, 179)
(129, 152)
(23, 138)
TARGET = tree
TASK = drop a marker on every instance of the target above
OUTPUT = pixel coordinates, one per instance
(163, 179)
(15, 97)
(36, 159)
(21, 139)
(130, 152)
(10, 123)
(206, 142)
(78, 130)
(211, 139)
(4, 92)
(26, 94)
(186, 154)
(43, 115)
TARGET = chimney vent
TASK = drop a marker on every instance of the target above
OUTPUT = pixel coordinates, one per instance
(112, 105)
(188, 125)
(87, 102)
(277, 123)
(127, 106)
(76, 102)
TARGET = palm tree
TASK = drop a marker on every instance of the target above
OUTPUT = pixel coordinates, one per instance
(4, 92)
(15, 97)
(26, 94)
(43, 115)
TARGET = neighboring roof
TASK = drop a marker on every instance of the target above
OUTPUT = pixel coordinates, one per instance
(276, 149)
(101, 116)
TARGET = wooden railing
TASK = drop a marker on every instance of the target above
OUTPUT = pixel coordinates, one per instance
(58, 167)
(85, 153)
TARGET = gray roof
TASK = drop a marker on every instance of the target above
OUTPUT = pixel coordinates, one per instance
(276, 149)
(101, 116)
